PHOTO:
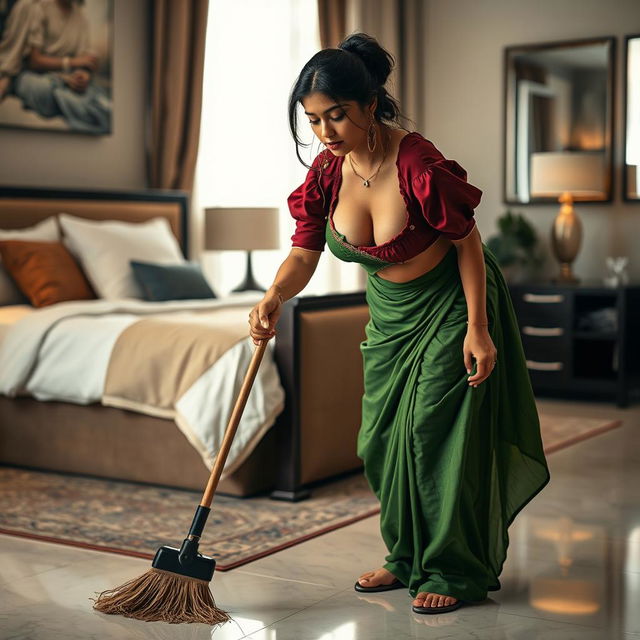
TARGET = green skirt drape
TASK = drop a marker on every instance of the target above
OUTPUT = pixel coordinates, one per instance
(451, 464)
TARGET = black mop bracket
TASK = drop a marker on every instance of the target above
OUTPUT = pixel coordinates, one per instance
(189, 549)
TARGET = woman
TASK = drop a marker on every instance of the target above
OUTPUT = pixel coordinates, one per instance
(451, 447)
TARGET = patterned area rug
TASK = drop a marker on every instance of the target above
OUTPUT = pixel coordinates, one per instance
(559, 432)
(135, 519)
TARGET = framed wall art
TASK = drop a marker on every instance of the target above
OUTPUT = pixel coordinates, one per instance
(56, 61)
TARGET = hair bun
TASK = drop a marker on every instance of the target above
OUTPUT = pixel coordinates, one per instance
(378, 62)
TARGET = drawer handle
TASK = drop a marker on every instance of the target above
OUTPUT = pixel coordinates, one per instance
(543, 331)
(544, 366)
(540, 297)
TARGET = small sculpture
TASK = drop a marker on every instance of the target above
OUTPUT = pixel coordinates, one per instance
(617, 271)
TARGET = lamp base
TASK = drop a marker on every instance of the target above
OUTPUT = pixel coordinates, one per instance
(249, 283)
(566, 238)
(565, 276)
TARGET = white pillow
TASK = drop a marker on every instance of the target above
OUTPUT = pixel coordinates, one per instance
(45, 231)
(105, 247)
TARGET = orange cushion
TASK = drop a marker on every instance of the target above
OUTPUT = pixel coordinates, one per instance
(45, 272)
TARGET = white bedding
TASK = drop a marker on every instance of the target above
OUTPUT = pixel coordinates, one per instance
(61, 352)
(10, 314)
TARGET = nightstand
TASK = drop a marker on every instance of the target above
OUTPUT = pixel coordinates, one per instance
(581, 340)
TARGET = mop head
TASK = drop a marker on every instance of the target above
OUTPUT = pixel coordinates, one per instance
(165, 596)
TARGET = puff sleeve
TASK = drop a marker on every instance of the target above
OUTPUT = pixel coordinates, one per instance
(307, 207)
(446, 199)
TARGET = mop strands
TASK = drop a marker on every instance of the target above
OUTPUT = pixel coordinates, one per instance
(176, 588)
(158, 595)
(161, 596)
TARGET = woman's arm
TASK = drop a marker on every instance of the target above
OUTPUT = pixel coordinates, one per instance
(291, 278)
(295, 272)
(477, 342)
(473, 274)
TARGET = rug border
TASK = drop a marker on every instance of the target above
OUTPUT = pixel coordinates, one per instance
(219, 566)
(596, 431)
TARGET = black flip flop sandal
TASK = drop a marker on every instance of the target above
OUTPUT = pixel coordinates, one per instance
(449, 607)
(381, 587)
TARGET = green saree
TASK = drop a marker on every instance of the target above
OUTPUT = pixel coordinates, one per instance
(451, 464)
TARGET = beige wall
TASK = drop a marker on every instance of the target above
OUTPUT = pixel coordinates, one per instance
(463, 110)
(46, 158)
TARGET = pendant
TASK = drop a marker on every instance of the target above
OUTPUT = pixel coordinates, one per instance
(366, 183)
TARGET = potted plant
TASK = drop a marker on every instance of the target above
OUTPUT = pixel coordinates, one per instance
(515, 247)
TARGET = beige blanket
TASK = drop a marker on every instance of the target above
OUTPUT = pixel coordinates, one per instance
(157, 359)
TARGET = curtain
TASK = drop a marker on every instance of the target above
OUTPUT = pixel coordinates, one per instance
(332, 15)
(399, 26)
(179, 30)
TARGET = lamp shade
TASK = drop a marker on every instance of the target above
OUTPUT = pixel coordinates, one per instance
(241, 228)
(579, 172)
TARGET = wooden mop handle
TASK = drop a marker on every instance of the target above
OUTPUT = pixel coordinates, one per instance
(230, 432)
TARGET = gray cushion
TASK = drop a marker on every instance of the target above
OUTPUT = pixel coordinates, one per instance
(160, 282)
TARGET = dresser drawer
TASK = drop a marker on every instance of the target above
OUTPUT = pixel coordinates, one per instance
(547, 355)
(541, 309)
(545, 348)
(547, 374)
(580, 339)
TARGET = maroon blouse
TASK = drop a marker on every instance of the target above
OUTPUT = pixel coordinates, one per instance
(438, 197)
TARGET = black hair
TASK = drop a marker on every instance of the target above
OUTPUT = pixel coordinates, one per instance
(357, 70)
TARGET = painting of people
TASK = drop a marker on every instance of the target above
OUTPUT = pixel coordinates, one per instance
(56, 62)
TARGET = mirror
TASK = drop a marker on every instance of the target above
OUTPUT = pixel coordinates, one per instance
(631, 161)
(558, 121)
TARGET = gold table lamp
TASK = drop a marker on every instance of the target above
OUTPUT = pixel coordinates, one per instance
(567, 174)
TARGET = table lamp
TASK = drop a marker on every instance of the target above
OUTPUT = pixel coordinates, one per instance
(245, 229)
(567, 174)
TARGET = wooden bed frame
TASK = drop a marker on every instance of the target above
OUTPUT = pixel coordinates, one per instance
(312, 440)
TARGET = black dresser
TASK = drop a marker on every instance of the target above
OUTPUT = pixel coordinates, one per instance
(581, 340)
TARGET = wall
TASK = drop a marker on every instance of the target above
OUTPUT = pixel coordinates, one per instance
(48, 158)
(463, 109)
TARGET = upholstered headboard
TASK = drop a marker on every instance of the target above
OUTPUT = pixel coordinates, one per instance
(23, 207)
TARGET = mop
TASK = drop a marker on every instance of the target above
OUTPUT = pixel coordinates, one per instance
(176, 588)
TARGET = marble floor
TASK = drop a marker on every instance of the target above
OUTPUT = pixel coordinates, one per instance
(573, 571)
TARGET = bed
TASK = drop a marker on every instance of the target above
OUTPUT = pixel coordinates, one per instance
(302, 417)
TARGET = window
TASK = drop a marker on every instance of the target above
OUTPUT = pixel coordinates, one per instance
(254, 51)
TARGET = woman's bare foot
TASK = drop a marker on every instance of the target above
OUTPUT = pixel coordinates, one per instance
(376, 578)
(429, 599)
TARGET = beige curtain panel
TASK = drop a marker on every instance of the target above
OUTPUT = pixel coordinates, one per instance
(332, 15)
(179, 31)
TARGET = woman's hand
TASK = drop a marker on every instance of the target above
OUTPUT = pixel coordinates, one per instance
(478, 344)
(267, 311)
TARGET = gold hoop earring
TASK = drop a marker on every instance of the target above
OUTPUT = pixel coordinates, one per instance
(371, 134)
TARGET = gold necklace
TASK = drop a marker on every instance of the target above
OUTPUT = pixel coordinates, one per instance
(366, 181)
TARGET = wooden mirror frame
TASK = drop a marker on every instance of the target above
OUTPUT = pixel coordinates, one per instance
(509, 117)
